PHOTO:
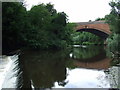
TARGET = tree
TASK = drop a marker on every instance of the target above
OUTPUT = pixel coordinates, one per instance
(51, 9)
(49, 27)
(99, 19)
(13, 17)
(39, 19)
(39, 28)
(86, 38)
(113, 19)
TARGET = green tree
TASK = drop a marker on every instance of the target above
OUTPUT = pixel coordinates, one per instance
(39, 18)
(13, 23)
(39, 28)
(51, 9)
(49, 27)
(86, 38)
(113, 19)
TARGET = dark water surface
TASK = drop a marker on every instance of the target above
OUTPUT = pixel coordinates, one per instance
(83, 67)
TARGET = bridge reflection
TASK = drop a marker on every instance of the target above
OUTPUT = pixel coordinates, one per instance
(89, 58)
(102, 64)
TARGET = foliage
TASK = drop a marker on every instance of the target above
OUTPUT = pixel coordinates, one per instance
(99, 19)
(40, 28)
(114, 42)
(113, 19)
(39, 18)
(86, 38)
(13, 25)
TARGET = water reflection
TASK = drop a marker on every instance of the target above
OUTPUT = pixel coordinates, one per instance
(64, 69)
(90, 57)
(86, 78)
(42, 69)
(89, 54)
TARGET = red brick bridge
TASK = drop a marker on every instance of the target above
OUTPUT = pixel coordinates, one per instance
(99, 28)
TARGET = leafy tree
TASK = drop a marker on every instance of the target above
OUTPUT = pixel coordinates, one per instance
(86, 38)
(13, 23)
(51, 9)
(49, 27)
(113, 19)
(39, 18)
(39, 28)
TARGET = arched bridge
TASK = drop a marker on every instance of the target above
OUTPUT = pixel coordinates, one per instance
(99, 28)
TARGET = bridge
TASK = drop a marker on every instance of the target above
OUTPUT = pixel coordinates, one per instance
(99, 28)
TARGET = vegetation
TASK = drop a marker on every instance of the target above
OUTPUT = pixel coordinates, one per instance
(40, 28)
(99, 19)
(113, 19)
(86, 38)
(13, 25)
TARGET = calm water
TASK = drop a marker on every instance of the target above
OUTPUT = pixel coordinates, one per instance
(80, 67)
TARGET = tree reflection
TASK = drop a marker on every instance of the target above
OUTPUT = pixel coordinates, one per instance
(89, 54)
(41, 69)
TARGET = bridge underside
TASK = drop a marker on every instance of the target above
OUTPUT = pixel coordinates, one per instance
(99, 33)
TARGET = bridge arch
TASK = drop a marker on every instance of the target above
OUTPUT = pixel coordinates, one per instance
(99, 28)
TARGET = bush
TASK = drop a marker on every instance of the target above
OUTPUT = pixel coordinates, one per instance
(114, 42)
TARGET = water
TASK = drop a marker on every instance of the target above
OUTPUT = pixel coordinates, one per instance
(80, 67)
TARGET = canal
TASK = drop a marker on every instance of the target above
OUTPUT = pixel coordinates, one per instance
(80, 67)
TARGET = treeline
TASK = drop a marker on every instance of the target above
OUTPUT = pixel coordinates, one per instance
(42, 27)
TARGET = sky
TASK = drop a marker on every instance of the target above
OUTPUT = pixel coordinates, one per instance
(77, 10)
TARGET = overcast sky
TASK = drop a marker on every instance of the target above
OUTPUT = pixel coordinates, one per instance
(77, 10)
